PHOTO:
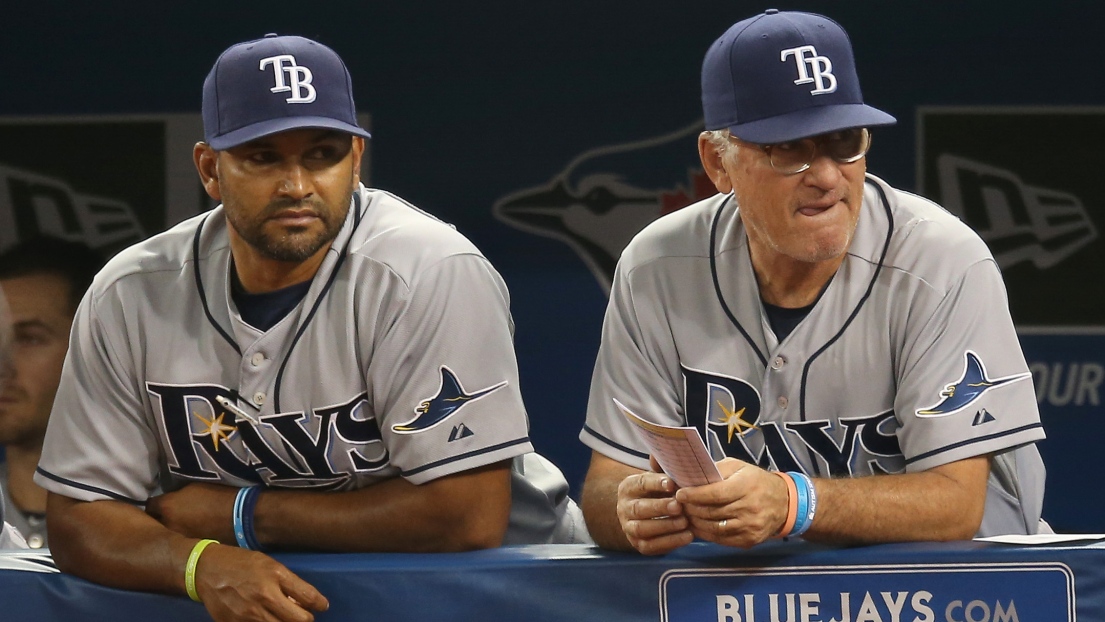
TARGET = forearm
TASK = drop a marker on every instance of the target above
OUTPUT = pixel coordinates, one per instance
(944, 503)
(464, 511)
(116, 544)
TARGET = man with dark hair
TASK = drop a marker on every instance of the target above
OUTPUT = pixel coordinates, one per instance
(311, 365)
(43, 280)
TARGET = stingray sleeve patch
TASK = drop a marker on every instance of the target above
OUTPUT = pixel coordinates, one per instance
(970, 386)
(450, 398)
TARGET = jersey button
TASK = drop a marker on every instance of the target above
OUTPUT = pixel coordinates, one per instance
(778, 363)
(782, 401)
(259, 398)
(257, 359)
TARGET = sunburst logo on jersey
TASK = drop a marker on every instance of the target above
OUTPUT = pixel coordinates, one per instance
(734, 421)
(726, 409)
(216, 429)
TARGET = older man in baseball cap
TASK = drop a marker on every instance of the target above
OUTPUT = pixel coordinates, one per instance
(843, 348)
(311, 365)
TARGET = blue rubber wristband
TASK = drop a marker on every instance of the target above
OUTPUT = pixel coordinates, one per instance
(803, 503)
(813, 504)
(807, 503)
(239, 527)
(249, 504)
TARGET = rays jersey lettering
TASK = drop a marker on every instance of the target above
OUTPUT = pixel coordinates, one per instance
(323, 448)
(726, 411)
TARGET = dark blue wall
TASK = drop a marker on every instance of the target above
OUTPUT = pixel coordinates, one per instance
(471, 101)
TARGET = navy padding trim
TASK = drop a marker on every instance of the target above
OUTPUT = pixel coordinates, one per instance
(717, 284)
(433, 465)
(859, 305)
(199, 287)
(971, 441)
(78, 485)
(615, 445)
(318, 301)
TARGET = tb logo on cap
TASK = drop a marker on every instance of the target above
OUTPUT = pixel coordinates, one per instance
(820, 67)
(299, 78)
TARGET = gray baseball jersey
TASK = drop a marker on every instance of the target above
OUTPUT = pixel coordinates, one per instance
(908, 360)
(31, 526)
(398, 362)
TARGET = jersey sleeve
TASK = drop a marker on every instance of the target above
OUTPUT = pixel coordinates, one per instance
(444, 376)
(965, 388)
(99, 443)
(632, 367)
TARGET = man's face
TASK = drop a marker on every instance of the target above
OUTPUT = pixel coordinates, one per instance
(287, 194)
(41, 318)
(808, 216)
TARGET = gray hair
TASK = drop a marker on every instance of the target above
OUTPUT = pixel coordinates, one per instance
(719, 139)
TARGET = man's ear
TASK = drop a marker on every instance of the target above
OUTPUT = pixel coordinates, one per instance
(358, 152)
(207, 165)
(712, 164)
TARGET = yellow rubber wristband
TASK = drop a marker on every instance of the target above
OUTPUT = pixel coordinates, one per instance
(190, 568)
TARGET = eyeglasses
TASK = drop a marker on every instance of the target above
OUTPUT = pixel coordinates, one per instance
(791, 158)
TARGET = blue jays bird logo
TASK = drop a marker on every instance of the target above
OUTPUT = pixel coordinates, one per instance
(970, 386)
(450, 398)
(608, 194)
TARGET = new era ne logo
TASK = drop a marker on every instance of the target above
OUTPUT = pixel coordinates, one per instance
(812, 68)
(298, 78)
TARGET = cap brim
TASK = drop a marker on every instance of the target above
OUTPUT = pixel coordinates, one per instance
(810, 122)
(274, 126)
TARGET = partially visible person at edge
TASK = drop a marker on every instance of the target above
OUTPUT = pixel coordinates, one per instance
(844, 348)
(43, 279)
(10, 538)
(311, 365)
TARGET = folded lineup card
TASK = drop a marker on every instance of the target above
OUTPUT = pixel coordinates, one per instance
(679, 450)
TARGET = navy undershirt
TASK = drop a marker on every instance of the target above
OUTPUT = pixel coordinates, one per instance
(263, 311)
(783, 320)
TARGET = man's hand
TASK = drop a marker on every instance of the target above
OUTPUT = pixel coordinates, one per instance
(237, 585)
(746, 508)
(197, 510)
(650, 516)
(750, 506)
(116, 544)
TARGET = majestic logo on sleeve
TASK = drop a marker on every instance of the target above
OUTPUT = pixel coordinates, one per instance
(299, 78)
(812, 68)
(450, 398)
(970, 386)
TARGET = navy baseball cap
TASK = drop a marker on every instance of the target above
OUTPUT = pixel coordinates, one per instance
(782, 76)
(276, 84)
